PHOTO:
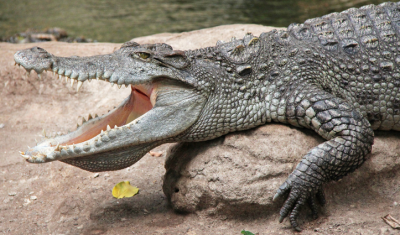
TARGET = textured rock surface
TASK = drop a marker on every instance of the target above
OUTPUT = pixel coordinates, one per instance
(240, 173)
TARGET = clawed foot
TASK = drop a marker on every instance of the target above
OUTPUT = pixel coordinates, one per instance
(300, 192)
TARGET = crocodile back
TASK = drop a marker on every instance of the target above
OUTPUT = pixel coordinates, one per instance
(362, 60)
(354, 30)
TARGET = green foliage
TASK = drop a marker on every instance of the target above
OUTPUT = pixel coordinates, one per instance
(246, 232)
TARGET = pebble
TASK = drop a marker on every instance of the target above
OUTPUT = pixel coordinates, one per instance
(395, 203)
(33, 197)
(12, 194)
(26, 202)
(2, 125)
(96, 175)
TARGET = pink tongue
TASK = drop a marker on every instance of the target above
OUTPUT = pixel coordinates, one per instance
(141, 105)
(137, 105)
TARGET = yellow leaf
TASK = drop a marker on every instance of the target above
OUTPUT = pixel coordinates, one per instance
(124, 189)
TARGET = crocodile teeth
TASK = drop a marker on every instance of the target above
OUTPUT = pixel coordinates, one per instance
(39, 76)
(126, 85)
(72, 82)
(115, 126)
(80, 83)
(112, 84)
(66, 79)
(90, 116)
(83, 120)
(44, 133)
(25, 156)
(22, 153)
(59, 76)
(119, 86)
(108, 127)
(57, 148)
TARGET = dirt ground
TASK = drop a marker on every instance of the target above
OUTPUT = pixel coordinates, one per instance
(55, 198)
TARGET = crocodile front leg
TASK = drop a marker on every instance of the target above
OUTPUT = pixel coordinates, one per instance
(350, 139)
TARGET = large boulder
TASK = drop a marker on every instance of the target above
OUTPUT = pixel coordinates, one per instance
(239, 173)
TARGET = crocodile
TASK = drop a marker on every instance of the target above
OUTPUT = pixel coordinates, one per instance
(338, 75)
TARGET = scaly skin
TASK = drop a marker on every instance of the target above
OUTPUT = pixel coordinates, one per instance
(337, 75)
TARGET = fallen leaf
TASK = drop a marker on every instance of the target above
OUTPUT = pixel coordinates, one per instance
(155, 154)
(124, 189)
(391, 221)
(247, 233)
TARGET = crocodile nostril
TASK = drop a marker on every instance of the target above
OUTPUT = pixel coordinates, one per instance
(176, 190)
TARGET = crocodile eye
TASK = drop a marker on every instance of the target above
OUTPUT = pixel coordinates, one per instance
(144, 55)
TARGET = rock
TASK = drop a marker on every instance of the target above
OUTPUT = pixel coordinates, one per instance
(240, 172)
(49, 34)
(204, 37)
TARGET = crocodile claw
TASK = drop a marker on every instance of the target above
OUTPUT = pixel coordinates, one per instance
(300, 192)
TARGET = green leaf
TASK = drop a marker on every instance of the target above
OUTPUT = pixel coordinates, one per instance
(246, 232)
(124, 189)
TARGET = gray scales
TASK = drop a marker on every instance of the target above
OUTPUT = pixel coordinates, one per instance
(338, 75)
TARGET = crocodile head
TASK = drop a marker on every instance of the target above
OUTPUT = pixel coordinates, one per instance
(165, 101)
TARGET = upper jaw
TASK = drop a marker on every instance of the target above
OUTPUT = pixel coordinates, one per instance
(116, 68)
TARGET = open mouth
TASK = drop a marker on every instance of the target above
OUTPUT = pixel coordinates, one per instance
(161, 108)
(139, 102)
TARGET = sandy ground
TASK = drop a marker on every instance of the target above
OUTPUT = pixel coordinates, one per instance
(56, 198)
